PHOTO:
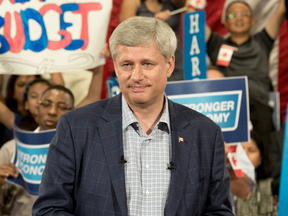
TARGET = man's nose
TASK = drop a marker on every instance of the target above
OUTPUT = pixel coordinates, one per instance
(53, 109)
(137, 74)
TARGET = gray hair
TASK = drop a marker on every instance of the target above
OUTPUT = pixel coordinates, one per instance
(143, 31)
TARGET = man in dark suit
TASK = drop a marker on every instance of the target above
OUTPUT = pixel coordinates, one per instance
(137, 153)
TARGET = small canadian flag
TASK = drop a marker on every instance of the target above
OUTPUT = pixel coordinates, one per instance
(232, 156)
(198, 4)
(225, 55)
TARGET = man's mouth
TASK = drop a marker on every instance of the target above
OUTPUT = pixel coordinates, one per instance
(49, 123)
(138, 88)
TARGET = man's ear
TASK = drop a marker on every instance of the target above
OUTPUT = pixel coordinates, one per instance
(115, 68)
(170, 66)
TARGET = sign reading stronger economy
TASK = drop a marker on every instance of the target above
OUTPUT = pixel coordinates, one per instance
(225, 101)
(30, 158)
(38, 36)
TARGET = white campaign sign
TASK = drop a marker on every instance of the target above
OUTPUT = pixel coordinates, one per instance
(46, 36)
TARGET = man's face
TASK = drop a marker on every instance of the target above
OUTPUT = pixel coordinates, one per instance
(142, 74)
(54, 103)
(239, 18)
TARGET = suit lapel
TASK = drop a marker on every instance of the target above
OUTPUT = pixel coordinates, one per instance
(181, 149)
(110, 133)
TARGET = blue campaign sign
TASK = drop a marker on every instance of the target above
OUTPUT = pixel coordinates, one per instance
(112, 87)
(194, 45)
(283, 207)
(225, 101)
(30, 157)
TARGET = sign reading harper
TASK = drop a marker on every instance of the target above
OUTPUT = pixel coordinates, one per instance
(30, 157)
(225, 101)
(38, 36)
(194, 45)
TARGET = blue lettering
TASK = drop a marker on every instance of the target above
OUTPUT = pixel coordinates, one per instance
(75, 44)
(21, 1)
(4, 43)
(42, 42)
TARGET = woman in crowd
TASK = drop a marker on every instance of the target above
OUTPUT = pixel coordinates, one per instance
(260, 201)
(159, 9)
(31, 99)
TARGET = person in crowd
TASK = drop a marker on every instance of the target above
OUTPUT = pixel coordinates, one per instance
(14, 109)
(260, 202)
(249, 57)
(160, 9)
(31, 99)
(137, 153)
(55, 101)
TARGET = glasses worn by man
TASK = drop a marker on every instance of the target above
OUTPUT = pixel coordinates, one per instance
(52, 105)
(49, 104)
(238, 14)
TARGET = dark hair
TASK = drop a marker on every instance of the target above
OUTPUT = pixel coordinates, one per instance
(61, 88)
(263, 171)
(38, 80)
(11, 102)
(243, 2)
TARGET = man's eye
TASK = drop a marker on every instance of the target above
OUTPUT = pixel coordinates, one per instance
(147, 64)
(45, 104)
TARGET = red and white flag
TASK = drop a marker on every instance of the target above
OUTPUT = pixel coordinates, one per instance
(233, 159)
(198, 4)
(225, 55)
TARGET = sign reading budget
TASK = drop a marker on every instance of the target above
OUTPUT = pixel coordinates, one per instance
(30, 157)
(225, 101)
(38, 36)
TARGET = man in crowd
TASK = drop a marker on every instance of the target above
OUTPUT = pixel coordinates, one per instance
(55, 101)
(136, 153)
(248, 55)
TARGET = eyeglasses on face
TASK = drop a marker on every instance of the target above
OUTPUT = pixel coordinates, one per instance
(238, 14)
(59, 106)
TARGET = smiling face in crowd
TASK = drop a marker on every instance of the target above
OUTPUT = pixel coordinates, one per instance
(239, 19)
(142, 74)
(54, 103)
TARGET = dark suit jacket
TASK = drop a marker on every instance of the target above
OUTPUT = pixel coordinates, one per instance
(83, 176)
